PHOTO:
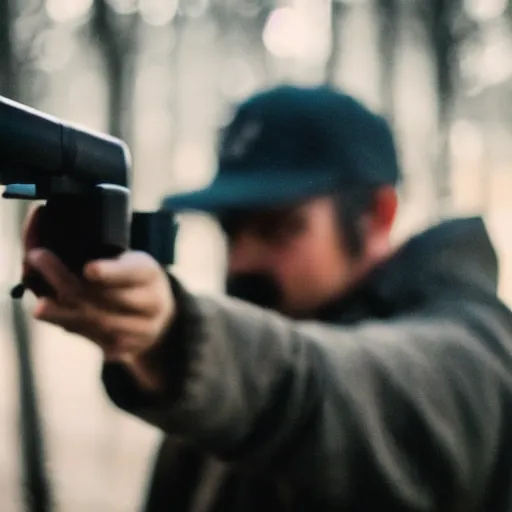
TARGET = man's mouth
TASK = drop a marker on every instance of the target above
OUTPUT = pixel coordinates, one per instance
(257, 288)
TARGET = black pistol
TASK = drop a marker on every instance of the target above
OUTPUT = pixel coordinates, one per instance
(84, 178)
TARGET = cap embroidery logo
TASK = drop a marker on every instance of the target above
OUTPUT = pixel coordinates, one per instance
(239, 142)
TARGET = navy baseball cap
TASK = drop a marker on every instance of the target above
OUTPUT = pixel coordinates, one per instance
(291, 143)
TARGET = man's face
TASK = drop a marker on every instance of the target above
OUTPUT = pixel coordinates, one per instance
(291, 259)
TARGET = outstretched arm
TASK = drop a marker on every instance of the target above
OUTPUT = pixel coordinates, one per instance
(404, 412)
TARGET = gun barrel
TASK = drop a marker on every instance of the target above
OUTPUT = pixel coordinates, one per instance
(37, 146)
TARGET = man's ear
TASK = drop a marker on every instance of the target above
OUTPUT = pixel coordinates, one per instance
(378, 221)
(385, 208)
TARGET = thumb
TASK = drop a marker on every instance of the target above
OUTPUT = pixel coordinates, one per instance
(131, 268)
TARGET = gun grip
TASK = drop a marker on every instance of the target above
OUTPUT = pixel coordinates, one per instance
(79, 228)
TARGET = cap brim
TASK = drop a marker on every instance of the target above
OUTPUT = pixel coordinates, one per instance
(254, 190)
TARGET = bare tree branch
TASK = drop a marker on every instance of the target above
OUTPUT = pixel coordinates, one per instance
(117, 45)
(439, 20)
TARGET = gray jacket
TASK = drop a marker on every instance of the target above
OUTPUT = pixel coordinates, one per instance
(399, 396)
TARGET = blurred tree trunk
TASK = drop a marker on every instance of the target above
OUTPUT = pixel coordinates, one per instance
(36, 487)
(230, 23)
(439, 20)
(388, 12)
(179, 25)
(116, 37)
(255, 36)
(333, 62)
(240, 36)
(8, 75)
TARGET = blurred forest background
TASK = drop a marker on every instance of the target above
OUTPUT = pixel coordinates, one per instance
(164, 75)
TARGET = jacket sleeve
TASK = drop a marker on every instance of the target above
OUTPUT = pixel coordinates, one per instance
(405, 411)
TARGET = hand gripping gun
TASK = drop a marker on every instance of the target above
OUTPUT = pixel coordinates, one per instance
(83, 177)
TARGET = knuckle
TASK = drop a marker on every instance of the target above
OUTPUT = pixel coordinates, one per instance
(97, 323)
(153, 328)
(109, 328)
(150, 264)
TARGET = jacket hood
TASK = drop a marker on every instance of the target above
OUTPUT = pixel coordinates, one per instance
(456, 256)
(458, 251)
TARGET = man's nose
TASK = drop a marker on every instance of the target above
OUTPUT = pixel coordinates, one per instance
(247, 254)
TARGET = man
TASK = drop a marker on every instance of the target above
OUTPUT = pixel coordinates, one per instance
(381, 380)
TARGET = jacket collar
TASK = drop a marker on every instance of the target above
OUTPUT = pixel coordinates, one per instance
(452, 257)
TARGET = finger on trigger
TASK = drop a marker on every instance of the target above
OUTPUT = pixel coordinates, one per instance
(106, 329)
(49, 311)
(72, 320)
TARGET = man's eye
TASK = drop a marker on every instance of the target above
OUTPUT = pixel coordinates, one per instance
(283, 231)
